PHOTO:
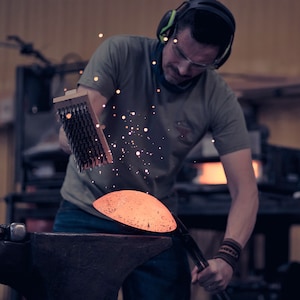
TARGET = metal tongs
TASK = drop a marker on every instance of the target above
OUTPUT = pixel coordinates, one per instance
(195, 252)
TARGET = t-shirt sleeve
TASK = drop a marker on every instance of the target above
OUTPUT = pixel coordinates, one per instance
(228, 125)
(101, 72)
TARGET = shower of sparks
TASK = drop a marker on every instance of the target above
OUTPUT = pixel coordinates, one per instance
(129, 143)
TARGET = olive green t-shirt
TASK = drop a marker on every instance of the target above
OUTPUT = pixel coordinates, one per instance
(150, 128)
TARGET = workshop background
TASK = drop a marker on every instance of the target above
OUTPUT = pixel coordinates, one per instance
(66, 32)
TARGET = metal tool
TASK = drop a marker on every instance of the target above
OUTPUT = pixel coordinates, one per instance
(83, 130)
(195, 252)
(14, 232)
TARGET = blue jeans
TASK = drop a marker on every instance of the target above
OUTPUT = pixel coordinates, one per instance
(166, 276)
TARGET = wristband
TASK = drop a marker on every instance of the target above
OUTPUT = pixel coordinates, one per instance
(230, 252)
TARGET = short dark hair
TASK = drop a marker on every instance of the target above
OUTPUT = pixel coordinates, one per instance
(207, 28)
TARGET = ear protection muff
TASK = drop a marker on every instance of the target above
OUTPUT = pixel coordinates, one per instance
(165, 25)
(169, 20)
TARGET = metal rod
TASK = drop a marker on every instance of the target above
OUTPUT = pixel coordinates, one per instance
(195, 253)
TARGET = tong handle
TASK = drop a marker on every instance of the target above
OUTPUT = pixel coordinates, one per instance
(195, 252)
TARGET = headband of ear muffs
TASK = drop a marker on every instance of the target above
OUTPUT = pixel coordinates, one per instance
(169, 20)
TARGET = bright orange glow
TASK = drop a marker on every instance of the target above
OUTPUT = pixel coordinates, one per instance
(136, 209)
(213, 172)
(68, 116)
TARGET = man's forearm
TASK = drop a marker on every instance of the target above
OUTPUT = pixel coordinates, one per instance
(63, 141)
(242, 218)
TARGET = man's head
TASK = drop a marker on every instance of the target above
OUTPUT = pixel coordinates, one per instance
(198, 35)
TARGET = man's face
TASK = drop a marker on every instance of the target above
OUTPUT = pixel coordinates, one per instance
(183, 58)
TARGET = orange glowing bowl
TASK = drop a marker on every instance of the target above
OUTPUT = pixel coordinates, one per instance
(136, 209)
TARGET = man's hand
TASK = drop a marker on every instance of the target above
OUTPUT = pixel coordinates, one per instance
(215, 278)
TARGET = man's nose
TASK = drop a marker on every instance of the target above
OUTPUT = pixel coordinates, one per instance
(184, 68)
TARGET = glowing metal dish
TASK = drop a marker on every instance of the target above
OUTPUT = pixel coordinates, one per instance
(136, 209)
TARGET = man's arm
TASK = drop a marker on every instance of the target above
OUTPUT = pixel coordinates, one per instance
(98, 103)
(241, 219)
(244, 194)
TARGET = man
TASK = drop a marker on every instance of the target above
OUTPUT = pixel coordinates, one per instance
(157, 99)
